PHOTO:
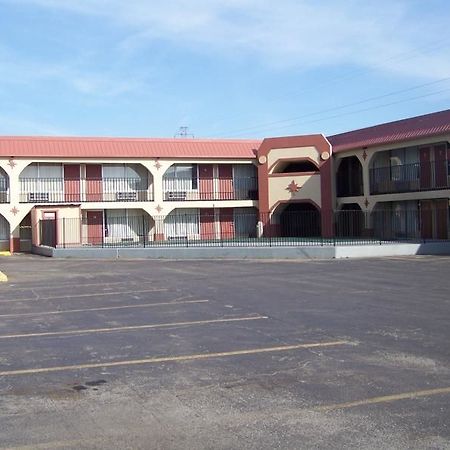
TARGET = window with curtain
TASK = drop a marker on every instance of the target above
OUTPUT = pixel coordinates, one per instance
(245, 220)
(182, 223)
(4, 229)
(41, 177)
(122, 224)
(244, 180)
(123, 178)
(181, 177)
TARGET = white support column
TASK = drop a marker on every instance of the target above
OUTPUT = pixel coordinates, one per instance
(14, 211)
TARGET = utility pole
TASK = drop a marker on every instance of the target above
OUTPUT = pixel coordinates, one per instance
(183, 133)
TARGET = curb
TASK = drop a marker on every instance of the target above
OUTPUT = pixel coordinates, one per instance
(3, 277)
(5, 253)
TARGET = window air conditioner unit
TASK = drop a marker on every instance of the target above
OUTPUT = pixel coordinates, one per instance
(176, 195)
(126, 196)
(38, 197)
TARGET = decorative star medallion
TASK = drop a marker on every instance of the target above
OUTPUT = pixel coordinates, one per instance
(159, 208)
(11, 163)
(366, 202)
(293, 187)
(14, 210)
(157, 165)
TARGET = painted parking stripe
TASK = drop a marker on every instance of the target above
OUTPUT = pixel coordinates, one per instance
(385, 399)
(98, 294)
(24, 287)
(130, 328)
(106, 308)
(163, 359)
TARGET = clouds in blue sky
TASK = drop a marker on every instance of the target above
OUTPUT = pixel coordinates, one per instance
(109, 50)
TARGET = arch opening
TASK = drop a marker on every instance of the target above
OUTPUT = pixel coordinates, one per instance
(299, 166)
(4, 234)
(299, 220)
(4, 186)
(349, 178)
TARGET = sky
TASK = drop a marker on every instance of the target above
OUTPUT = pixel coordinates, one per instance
(222, 68)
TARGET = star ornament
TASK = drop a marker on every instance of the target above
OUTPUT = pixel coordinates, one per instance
(293, 187)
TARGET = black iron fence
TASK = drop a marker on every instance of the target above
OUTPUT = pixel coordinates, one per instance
(420, 176)
(228, 228)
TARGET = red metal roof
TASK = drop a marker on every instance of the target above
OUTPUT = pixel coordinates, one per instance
(433, 124)
(75, 147)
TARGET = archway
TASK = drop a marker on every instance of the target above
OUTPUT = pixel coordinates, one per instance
(299, 220)
(349, 177)
(295, 166)
(4, 234)
(4, 187)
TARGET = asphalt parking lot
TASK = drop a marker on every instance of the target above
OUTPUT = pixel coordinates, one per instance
(225, 354)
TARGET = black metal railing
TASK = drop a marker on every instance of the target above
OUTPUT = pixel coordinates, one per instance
(228, 229)
(420, 176)
(66, 190)
(4, 190)
(188, 189)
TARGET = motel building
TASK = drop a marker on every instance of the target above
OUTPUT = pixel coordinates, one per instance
(391, 180)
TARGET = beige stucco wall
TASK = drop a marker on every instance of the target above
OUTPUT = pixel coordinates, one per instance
(67, 225)
(309, 188)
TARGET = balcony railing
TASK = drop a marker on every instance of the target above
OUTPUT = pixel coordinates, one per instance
(59, 190)
(188, 189)
(4, 190)
(420, 176)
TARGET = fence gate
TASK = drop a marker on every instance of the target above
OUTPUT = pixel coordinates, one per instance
(48, 230)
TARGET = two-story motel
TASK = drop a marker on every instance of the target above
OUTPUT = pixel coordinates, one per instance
(203, 188)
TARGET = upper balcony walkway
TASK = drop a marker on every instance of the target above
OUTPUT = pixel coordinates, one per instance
(66, 190)
(420, 176)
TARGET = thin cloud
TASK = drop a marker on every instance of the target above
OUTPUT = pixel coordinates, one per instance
(96, 84)
(27, 127)
(286, 34)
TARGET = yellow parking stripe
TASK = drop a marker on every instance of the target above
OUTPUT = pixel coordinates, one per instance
(163, 359)
(385, 399)
(106, 308)
(130, 328)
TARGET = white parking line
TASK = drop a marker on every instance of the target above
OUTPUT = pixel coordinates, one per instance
(130, 328)
(98, 294)
(162, 359)
(106, 308)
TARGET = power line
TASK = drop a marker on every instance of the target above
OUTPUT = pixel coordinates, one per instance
(262, 127)
(363, 110)
(353, 74)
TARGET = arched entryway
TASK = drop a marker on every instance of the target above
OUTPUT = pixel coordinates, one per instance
(349, 177)
(299, 220)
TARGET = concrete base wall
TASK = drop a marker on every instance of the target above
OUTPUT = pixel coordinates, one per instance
(355, 251)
